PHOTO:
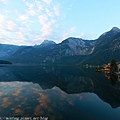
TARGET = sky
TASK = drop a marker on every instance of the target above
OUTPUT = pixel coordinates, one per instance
(30, 22)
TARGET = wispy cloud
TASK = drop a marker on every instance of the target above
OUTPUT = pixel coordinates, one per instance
(1, 19)
(68, 32)
(47, 25)
(23, 17)
(31, 10)
(39, 5)
(49, 13)
(56, 10)
(86, 35)
(11, 25)
(4, 1)
(32, 23)
(30, 5)
(72, 29)
(47, 29)
(43, 19)
(81, 35)
(47, 1)
(20, 35)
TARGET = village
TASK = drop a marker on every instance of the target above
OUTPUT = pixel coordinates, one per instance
(111, 69)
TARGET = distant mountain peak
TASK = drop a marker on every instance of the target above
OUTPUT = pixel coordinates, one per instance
(47, 42)
(71, 39)
(112, 32)
(116, 29)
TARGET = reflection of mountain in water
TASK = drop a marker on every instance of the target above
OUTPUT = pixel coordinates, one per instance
(69, 79)
(6, 75)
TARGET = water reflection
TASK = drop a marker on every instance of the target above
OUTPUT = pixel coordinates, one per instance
(58, 93)
(114, 78)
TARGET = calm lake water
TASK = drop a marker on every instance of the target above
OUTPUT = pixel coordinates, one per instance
(59, 93)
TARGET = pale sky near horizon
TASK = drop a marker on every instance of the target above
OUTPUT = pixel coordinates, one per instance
(29, 22)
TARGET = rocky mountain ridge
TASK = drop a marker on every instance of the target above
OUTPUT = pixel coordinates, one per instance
(72, 51)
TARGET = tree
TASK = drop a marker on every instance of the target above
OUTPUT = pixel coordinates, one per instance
(113, 79)
(113, 66)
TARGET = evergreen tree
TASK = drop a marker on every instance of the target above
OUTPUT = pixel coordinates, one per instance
(113, 66)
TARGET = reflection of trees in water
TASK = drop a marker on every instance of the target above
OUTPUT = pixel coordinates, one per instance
(72, 80)
(113, 79)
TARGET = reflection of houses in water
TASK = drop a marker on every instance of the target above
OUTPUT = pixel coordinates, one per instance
(107, 67)
(119, 77)
(115, 77)
(118, 72)
(109, 75)
(118, 65)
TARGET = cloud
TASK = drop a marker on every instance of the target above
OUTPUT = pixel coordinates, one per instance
(4, 1)
(11, 25)
(86, 35)
(11, 35)
(68, 33)
(2, 31)
(47, 29)
(72, 30)
(23, 17)
(81, 35)
(18, 111)
(20, 35)
(39, 5)
(20, 25)
(30, 5)
(1, 38)
(65, 35)
(6, 102)
(1, 19)
(31, 10)
(49, 13)
(56, 10)
(47, 1)
(17, 93)
(43, 19)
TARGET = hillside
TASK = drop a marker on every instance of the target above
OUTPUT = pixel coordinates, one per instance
(54, 53)
(106, 48)
(5, 62)
(7, 50)
(72, 51)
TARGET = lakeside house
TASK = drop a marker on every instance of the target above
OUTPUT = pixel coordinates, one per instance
(107, 67)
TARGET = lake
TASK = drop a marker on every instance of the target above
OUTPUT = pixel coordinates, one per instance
(58, 93)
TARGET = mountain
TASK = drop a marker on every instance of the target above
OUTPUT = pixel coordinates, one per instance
(107, 47)
(7, 50)
(31, 54)
(72, 51)
(75, 46)
(49, 52)
(47, 43)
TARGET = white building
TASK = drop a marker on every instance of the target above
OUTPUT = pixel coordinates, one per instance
(118, 65)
